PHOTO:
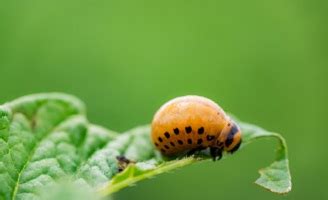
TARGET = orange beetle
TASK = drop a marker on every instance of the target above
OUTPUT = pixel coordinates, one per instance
(192, 123)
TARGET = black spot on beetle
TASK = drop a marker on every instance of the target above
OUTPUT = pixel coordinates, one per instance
(156, 144)
(201, 130)
(172, 143)
(189, 141)
(176, 131)
(228, 141)
(167, 135)
(188, 129)
(162, 150)
(166, 147)
(232, 133)
(210, 137)
(180, 142)
(200, 141)
(160, 139)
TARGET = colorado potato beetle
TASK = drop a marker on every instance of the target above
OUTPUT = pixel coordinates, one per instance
(191, 123)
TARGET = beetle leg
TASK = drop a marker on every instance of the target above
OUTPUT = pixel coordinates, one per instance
(216, 153)
(195, 150)
(213, 152)
(191, 152)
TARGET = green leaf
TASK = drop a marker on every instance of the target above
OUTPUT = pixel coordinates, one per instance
(67, 190)
(276, 178)
(46, 138)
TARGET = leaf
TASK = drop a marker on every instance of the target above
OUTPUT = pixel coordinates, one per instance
(67, 190)
(276, 178)
(46, 138)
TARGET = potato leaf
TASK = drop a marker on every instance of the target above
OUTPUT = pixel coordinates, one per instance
(46, 138)
(276, 178)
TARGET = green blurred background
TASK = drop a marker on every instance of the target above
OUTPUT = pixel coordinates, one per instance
(264, 61)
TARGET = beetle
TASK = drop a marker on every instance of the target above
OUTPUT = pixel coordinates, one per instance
(193, 123)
